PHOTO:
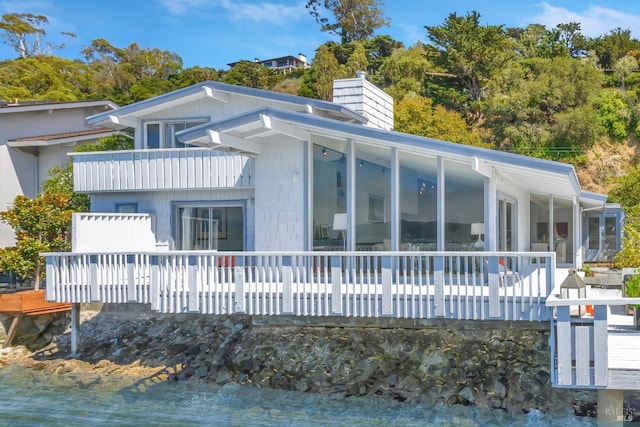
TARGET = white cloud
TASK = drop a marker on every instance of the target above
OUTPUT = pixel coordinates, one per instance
(269, 12)
(594, 21)
(180, 7)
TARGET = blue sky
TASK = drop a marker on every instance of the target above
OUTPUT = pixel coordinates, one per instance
(213, 33)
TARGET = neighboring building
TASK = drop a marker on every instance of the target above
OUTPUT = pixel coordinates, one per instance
(283, 64)
(275, 169)
(34, 137)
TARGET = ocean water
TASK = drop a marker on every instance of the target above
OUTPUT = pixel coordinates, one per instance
(39, 401)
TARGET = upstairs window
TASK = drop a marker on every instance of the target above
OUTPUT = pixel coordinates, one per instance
(162, 134)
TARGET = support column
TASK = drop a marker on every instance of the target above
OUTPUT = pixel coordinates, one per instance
(75, 328)
(610, 407)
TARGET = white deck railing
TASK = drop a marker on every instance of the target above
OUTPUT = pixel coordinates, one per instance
(167, 169)
(580, 346)
(424, 285)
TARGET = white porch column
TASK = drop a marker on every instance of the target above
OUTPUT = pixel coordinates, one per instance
(395, 200)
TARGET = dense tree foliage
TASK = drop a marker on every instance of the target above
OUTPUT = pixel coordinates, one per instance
(417, 115)
(353, 20)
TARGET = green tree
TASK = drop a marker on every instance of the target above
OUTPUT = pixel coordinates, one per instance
(357, 61)
(417, 116)
(614, 115)
(531, 106)
(325, 69)
(252, 74)
(133, 73)
(404, 72)
(470, 52)
(613, 46)
(353, 20)
(40, 225)
(23, 33)
(46, 78)
(626, 191)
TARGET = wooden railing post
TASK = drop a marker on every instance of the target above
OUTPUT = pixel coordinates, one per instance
(438, 281)
(52, 279)
(239, 295)
(564, 346)
(192, 285)
(601, 345)
(131, 282)
(287, 286)
(336, 282)
(94, 291)
(494, 287)
(387, 294)
(154, 282)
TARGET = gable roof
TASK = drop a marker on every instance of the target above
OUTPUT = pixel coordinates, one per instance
(126, 116)
(21, 107)
(246, 131)
(60, 138)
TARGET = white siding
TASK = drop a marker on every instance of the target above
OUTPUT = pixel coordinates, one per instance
(161, 204)
(365, 98)
(280, 197)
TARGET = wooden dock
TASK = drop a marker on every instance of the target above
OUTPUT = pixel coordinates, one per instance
(27, 303)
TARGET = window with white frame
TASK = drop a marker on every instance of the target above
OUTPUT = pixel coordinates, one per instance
(162, 134)
(209, 227)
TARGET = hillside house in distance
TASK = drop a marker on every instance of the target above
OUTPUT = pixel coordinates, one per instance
(34, 137)
(283, 64)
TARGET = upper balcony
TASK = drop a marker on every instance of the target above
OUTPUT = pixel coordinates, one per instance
(167, 169)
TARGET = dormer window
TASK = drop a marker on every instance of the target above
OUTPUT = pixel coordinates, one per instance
(161, 134)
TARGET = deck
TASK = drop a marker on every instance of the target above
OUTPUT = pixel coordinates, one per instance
(455, 285)
(599, 352)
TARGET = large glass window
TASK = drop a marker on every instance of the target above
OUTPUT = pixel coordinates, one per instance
(373, 197)
(162, 134)
(209, 228)
(418, 203)
(464, 205)
(558, 238)
(329, 194)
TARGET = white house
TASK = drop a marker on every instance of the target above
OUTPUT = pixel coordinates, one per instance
(237, 200)
(34, 137)
(274, 169)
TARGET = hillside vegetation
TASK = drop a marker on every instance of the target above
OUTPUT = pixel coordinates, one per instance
(551, 93)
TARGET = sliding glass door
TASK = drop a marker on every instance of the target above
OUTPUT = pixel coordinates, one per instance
(209, 228)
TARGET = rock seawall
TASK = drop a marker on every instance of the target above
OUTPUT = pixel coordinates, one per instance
(485, 367)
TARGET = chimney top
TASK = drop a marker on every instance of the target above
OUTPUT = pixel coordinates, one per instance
(361, 74)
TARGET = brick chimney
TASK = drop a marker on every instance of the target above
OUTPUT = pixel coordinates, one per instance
(365, 98)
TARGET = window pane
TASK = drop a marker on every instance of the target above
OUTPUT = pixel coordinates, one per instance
(464, 205)
(563, 230)
(329, 194)
(418, 203)
(594, 232)
(373, 197)
(153, 135)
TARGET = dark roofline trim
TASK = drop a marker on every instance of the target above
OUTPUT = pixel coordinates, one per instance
(225, 87)
(380, 135)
